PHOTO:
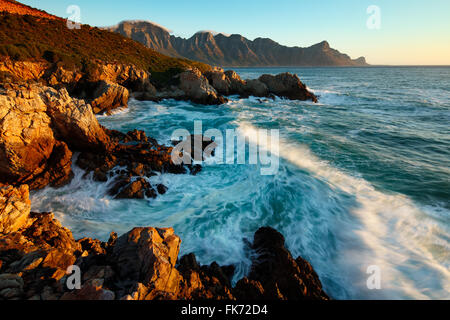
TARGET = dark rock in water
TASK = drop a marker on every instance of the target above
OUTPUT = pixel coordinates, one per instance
(35, 251)
(256, 88)
(162, 189)
(284, 85)
(280, 275)
(142, 156)
(134, 190)
(288, 86)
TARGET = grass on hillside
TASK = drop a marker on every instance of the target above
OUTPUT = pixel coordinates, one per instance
(25, 37)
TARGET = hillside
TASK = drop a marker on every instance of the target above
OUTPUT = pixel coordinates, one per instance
(12, 6)
(26, 37)
(233, 50)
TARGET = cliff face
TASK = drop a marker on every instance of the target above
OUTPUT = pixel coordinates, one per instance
(233, 50)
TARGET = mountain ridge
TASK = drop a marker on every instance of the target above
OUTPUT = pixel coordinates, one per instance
(232, 50)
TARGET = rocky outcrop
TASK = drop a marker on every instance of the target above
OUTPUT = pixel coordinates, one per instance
(37, 127)
(24, 70)
(128, 76)
(220, 81)
(197, 88)
(143, 264)
(138, 161)
(40, 127)
(109, 96)
(275, 274)
(287, 85)
(74, 121)
(284, 85)
(28, 146)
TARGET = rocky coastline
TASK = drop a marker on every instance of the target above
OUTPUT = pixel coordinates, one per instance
(47, 114)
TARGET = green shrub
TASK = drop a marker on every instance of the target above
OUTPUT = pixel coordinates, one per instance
(29, 37)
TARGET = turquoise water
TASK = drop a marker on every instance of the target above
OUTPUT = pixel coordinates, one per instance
(363, 180)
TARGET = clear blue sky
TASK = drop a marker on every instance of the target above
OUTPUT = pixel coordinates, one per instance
(412, 31)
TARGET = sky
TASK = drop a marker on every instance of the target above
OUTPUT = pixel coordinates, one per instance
(394, 32)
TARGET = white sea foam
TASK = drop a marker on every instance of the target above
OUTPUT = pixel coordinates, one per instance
(393, 232)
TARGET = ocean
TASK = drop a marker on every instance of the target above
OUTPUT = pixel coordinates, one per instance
(363, 180)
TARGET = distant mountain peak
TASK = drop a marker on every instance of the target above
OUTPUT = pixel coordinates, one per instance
(214, 33)
(233, 50)
(139, 22)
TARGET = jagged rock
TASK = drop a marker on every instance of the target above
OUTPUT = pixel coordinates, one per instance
(203, 282)
(148, 256)
(280, 275)
(220, 81)
(37, 127)
(58, 76)
(109, 96)
(24, 70)
(128, 76)
(137, 189)
(162, 189)
(141, 264)
(14, 209)
(58, 168)
(237, 85)
(74, 121)
(197, 88)
(287, 85)
(26, 137)
(11, 286)
(284, 85)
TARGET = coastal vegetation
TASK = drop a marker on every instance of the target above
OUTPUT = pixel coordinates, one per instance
(35, 38)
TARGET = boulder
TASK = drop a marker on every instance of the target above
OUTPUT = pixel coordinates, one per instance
(256, 88)
(197, 88)
(280, 276)
(237, 85)
(148, 256)
(137, 189)
(74, 121)
(219, 80)
(109, 96)
(287, 85)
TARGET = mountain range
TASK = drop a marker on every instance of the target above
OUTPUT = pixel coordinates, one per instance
(232, 50)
